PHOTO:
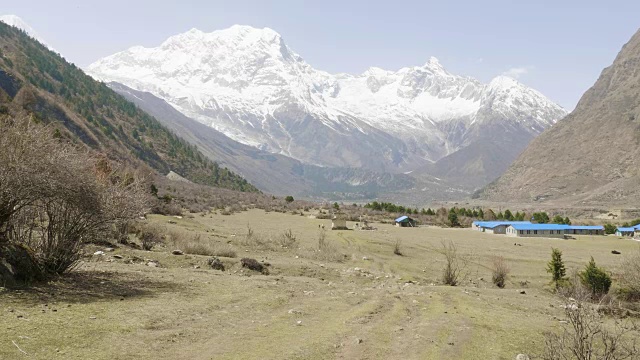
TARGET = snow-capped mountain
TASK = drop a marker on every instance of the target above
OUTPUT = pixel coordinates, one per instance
(248, 84)
(16, 21)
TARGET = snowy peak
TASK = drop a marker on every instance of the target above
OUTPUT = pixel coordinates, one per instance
(16, 21)
(247, 83)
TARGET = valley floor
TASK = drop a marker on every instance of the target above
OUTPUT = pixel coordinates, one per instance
(370, 305)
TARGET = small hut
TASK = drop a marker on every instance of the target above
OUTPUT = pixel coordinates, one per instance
(405, 221)
(339, 222)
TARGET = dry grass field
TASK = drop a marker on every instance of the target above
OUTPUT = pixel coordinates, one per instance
(355, 299)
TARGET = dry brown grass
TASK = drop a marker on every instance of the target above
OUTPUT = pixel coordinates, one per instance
(194, 244)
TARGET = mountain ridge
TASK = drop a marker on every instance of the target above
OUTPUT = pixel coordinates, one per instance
(248, 84)
(594, 151)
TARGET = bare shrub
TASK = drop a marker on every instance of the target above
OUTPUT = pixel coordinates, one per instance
(322, 239)
(397, 247)
(455, 266)
(325, 250)
(288, 240)
(54, 197)
(149, 236)
(630, 277)
(587, 335)
(499, 272)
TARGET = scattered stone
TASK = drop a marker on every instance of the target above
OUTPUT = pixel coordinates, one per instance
(299, 322)
(216, 264)
(196, 266)
(172, 222)
(152, 264)
(109, 249)
(365, 258)
(118, 257)
(92, 317)
(522, 357)
(359, 341)
(451, 344)
(98, 253)
(616, 252)
(294, 311)
(177, 252)
(523, 292)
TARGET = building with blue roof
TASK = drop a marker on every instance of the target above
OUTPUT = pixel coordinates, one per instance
(537, 230)
(495, 227)
(585, 230)
(625, 231)
(405, 221)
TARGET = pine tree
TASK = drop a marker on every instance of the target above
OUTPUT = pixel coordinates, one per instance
(596, 279)
(556, 267)
(508, 215)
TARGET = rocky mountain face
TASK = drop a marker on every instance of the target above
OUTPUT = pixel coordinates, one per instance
(273, 173)
(592, 156)
(249, 85)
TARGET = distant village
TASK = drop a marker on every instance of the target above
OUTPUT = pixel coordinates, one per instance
(530, 229)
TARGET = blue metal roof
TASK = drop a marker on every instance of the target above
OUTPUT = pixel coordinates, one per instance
(402, 218)
(540, 226)
(626, 229)
(637, 227)
(585, 227)
(493, 224)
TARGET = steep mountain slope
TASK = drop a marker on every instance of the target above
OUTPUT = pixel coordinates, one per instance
(35, 81)
(248, 84)
(273, 173)
(16, 21)
(592, 156)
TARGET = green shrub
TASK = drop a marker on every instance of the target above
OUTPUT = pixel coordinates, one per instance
(556, 267)
(610, 229)
(595, 279)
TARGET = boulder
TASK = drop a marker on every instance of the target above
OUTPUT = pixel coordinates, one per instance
(18, 266)
(254, 265)
(177, 252)
(216, 264)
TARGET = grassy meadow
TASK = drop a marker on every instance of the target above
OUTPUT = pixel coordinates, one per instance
(350, 297)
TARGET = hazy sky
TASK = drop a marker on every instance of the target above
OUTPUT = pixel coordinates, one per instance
(557, 47)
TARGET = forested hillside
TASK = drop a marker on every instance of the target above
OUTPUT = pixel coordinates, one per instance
(38, 82)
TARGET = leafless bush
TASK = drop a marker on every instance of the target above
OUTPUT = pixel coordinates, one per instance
(588, 336)
(325, 250)
(499, 272)
(54, 197)
(149, 236)
(455, 266)
(630, 277)
(288, 240)
(397, 247)
(322, 239)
